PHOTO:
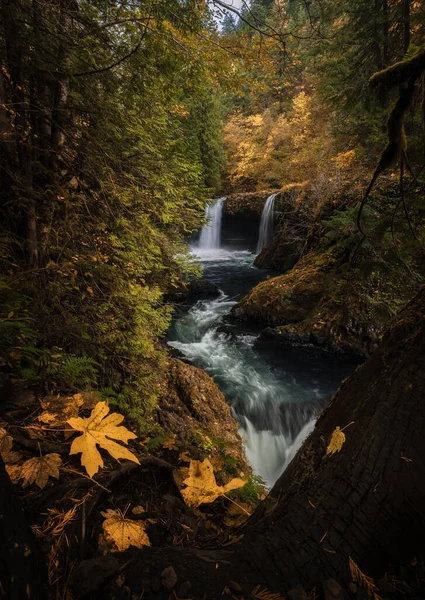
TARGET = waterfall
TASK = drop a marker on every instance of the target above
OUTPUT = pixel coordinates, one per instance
(211, 231)
(266, 226)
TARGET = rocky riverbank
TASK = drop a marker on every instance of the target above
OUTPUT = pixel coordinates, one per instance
(337, 290)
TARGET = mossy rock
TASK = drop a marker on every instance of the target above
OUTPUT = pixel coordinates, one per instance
(194, 411)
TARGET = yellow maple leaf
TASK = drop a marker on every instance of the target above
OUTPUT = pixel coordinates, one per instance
(337, 441)
(38, 470)
(97, 430)
(201, 485)
(121, 533)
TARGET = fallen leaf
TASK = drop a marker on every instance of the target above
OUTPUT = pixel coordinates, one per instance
(14, 472)
(137, 510)
(169, 444)
(6, 442)
(38, 470)
(120, 533)
(96, 430)
(336, 443)
(184, 456)
(201, 485)
(58, 409)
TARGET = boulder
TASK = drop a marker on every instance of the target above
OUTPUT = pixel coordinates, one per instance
(195, 412)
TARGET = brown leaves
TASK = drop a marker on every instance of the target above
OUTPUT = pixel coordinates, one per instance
(201, 485)
(97, 430)
(6, 442)
(57, 410)
(120, 533)
(38, 470)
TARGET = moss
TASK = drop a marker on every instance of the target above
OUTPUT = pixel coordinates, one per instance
(247, 205)
(194, 411)
(306, 466)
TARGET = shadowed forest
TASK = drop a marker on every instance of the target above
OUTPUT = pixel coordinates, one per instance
(212, 301)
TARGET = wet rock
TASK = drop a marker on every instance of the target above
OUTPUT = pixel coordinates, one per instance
(193, 409)
(279, 256)
(89, 575)
(183, 590)
(189, 293)
(288, 298)
(202, 288)
(169, 578)
(247, 205)
(313, 305)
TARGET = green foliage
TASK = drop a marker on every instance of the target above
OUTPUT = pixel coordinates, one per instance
(251, 493)
(111, 194)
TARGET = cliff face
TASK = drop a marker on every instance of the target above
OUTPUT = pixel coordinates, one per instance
(246, 205)
(330, 294)
(313, 303)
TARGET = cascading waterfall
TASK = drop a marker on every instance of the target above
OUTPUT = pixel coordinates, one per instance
(211, 231)
(274, 396)
(265, 236)
(275, 406)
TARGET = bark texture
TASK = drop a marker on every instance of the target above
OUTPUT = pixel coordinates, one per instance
(365, 502)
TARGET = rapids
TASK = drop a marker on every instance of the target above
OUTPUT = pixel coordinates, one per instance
(275, 393)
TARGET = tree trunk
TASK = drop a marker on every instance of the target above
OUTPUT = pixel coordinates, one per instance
(17, 53)
(385, 33)
(365, 501)
(406, 25)
(62, 85)
(22, 565)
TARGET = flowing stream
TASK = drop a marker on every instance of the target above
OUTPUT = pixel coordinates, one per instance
(275, 393)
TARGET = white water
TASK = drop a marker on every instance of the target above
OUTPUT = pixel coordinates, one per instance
(265, 236)
(211, 232)
(275, 394)
(275, 415)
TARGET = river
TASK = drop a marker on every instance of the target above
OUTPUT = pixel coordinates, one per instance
(275, 392)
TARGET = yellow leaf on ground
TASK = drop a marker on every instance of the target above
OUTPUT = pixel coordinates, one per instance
(201, 485)
(97, 430)
(336, 443)
(121, 533)
(38, 470)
